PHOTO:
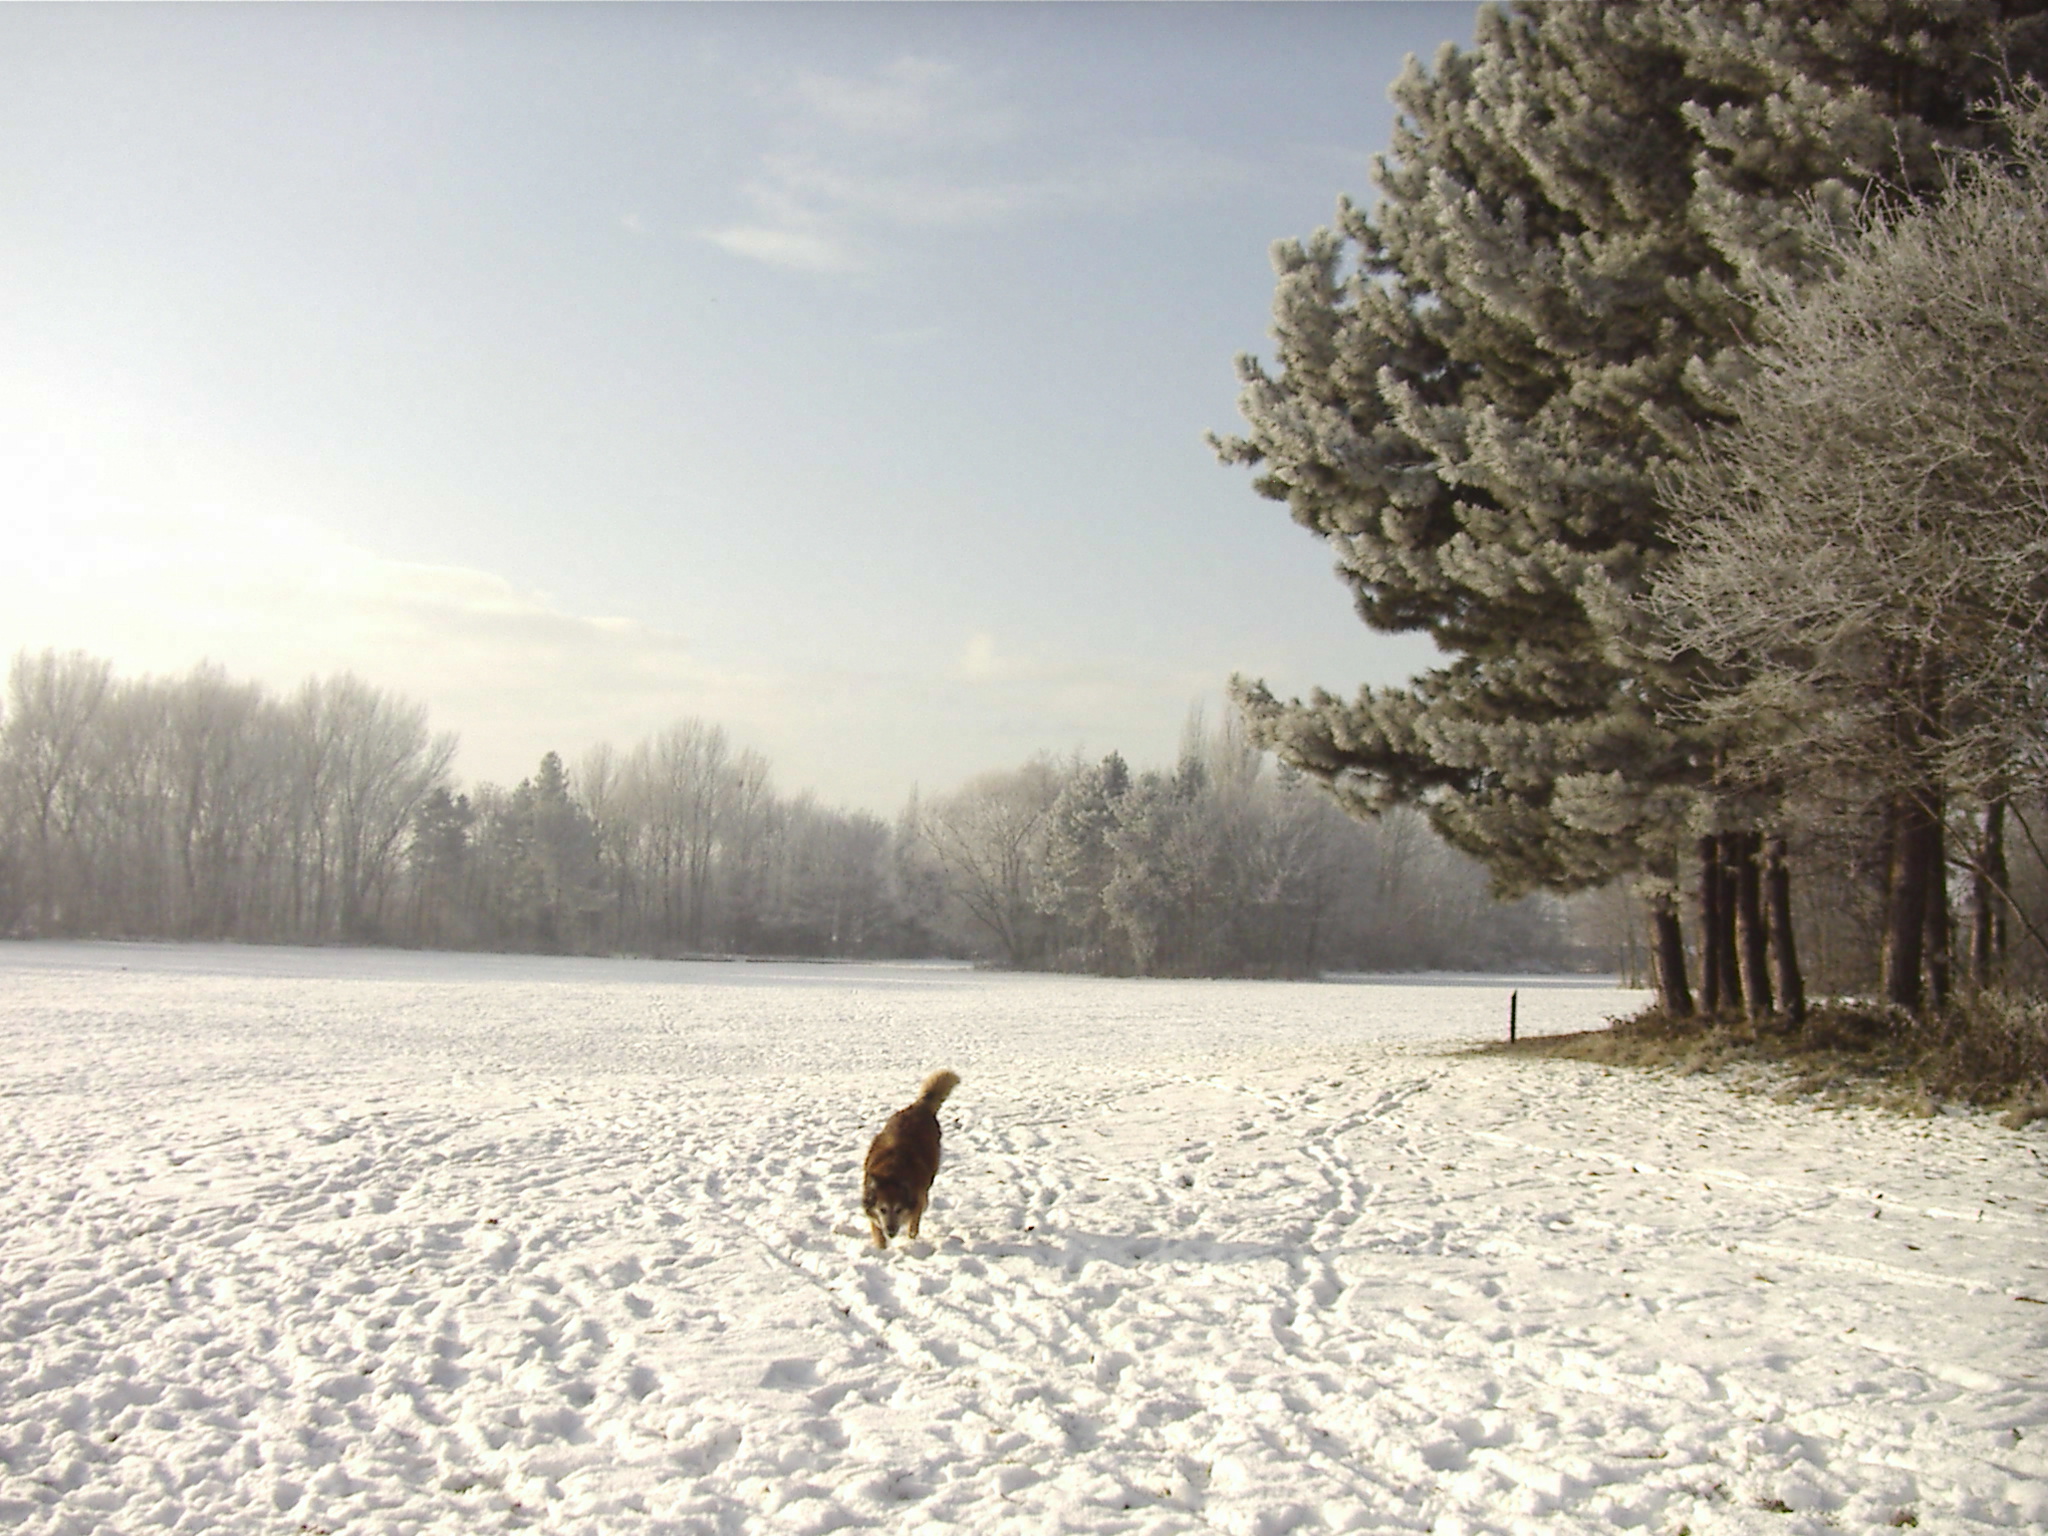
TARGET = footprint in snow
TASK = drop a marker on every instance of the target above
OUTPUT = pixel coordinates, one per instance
(622, 1272)
(791, 1375)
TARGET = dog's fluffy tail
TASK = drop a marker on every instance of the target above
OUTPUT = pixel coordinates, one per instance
(936, 1087)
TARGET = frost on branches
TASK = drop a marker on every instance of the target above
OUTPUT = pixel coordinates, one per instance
(1478, 380)
(1863, 555)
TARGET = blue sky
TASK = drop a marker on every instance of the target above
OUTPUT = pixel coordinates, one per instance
(836, 373)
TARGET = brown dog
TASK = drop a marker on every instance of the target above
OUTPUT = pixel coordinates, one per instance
(902, 1160)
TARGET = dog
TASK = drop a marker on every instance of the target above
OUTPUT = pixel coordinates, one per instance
(896, 1181)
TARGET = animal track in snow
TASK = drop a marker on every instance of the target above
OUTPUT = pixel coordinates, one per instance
(1198, 1259)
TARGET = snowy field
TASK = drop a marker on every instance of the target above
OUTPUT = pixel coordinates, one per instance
(298, 1241)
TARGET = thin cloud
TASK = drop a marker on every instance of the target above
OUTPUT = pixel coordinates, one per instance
(804, 250)
(1100, 689)
(785, 232)
(923, 145)
(906, 98)
(1124, 177)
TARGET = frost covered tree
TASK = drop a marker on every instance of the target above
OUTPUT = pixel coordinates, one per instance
(684, 777)
(989, 839)
(387, 763)
(439, 861)
(755, 819)
(599, 775)
(220, 751)
(1159, 896)
(195, 807)
(538, 846)
(1478, 379)
(1079, 862)
(1217, 866)
(53, 703)
(830, 891)
(565, 848)
(1863, 553)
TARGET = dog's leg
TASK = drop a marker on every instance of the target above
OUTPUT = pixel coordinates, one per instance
(881, 1237)
(917, 1214)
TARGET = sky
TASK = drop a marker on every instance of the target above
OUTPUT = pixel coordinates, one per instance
(837, 374)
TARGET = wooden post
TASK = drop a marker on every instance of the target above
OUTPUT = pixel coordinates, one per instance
(1511, 1016)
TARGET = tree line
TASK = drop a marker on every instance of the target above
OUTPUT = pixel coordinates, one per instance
(1686, 385)
(199, 807)
(1216, 866)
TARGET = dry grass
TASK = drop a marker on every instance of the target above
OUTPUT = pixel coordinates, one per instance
(1989, 1050)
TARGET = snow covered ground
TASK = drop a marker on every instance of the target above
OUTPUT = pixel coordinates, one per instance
(298, 1241)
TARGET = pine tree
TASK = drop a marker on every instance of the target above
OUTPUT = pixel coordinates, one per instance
(1156, 882)
(1079, 861)
(563, 845)
(1479, 379)
(439, 857)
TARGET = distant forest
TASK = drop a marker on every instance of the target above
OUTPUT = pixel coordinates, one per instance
(200, 807)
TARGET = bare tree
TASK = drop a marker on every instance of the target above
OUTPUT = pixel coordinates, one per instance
(217, 762)
(989, 838)
(679, 787)
(388, 763)
(599, 773)
(53, 703)
(754, 820)
(361, 763)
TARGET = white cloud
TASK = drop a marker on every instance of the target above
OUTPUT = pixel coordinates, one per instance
(921, 144)
(785, 232)
(806, 250)
(978, 658)
(906, 97)
(1120, 177)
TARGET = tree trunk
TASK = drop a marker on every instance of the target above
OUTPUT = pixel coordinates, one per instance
(1940, 924)
(1778, 918)
(1906, 901)
(1987, 939)
(1752, 942)
(1710, 925)
(1727, 946)
(1674, 996)
(1885, 858)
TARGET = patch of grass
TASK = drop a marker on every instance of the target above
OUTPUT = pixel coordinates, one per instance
(1990, 1050)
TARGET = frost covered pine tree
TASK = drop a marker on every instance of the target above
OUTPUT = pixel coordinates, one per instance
(1079, 862)
(1478, 379)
